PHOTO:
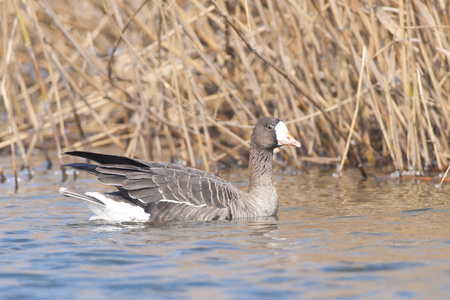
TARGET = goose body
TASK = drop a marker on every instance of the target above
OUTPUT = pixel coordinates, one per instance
(149, 191)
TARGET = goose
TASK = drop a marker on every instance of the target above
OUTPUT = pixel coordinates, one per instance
(149, 191)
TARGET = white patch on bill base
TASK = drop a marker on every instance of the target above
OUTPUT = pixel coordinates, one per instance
(281, 132)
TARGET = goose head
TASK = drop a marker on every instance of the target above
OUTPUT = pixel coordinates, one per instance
(270, 133)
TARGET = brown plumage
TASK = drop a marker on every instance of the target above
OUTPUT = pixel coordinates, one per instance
(159, 191)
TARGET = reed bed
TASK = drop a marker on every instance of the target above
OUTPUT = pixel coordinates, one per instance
(358, 82)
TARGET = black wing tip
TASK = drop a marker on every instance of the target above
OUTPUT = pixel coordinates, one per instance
(97, 157)
(105, 159)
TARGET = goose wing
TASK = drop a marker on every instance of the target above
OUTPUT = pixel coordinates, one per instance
(146, 183)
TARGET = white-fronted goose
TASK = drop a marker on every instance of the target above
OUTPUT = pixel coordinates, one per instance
(158, 191)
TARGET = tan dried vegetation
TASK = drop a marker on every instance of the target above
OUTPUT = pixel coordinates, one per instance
(365, 80)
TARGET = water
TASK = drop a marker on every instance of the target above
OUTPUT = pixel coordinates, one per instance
(361, 240)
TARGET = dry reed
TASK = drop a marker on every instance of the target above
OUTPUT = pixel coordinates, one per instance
(190, 78)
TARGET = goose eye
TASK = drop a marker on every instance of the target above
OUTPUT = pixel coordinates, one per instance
(270, 127)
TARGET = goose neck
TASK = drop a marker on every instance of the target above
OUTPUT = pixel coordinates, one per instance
(260, 168)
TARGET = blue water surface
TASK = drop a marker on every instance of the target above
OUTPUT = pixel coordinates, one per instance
(375, 239)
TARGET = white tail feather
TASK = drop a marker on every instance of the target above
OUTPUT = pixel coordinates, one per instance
(108, 209)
